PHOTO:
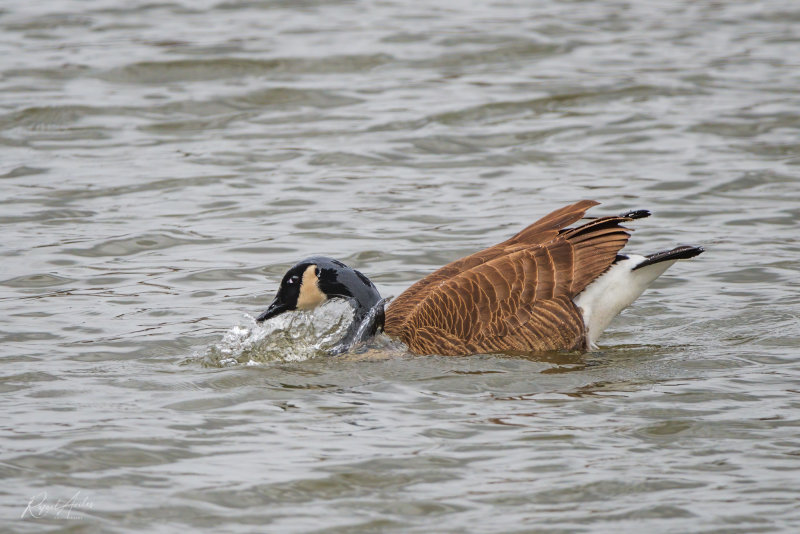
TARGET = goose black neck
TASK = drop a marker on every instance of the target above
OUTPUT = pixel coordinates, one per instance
(366, 323)
(337, 280)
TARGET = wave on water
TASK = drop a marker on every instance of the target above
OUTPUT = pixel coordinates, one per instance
(289, 337)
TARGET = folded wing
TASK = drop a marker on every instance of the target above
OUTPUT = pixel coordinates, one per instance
(515, 296)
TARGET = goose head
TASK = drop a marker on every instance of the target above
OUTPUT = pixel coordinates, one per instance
(318, 279)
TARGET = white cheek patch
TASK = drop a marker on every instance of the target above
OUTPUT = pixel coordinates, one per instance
(310, 295)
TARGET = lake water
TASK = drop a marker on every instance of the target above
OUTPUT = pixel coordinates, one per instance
(163, 163)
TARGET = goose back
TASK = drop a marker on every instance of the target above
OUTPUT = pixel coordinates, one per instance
(516, 296)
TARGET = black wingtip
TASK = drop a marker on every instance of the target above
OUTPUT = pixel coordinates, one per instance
(683, 252)
(636, 214)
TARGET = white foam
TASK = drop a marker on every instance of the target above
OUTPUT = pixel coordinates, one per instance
(289, 337)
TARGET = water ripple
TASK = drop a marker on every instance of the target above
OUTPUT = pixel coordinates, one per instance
(164, 163)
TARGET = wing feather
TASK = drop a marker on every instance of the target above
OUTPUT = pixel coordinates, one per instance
(515, 296)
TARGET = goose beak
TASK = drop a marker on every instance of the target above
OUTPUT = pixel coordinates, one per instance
(276, 308)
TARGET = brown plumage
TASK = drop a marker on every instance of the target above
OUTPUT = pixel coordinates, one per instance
(549, 287)
(516, 296)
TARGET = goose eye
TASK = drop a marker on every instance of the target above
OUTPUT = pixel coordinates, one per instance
(292, 280)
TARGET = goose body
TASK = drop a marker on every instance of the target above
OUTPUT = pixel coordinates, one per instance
(549, 287)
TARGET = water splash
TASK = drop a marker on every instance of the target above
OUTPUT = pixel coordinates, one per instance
(290, 337)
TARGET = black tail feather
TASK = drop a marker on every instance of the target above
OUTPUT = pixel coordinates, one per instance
(683, 252)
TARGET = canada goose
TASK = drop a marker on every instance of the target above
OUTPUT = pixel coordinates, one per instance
(549, 287)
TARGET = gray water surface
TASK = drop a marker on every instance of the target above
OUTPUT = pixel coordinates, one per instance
(163, 163)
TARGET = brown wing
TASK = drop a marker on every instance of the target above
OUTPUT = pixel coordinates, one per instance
(543, 230)
(513, 297)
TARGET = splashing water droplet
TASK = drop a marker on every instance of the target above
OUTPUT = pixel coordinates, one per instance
(289, 337)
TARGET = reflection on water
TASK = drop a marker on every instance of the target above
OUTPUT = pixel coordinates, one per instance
(164, 163)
